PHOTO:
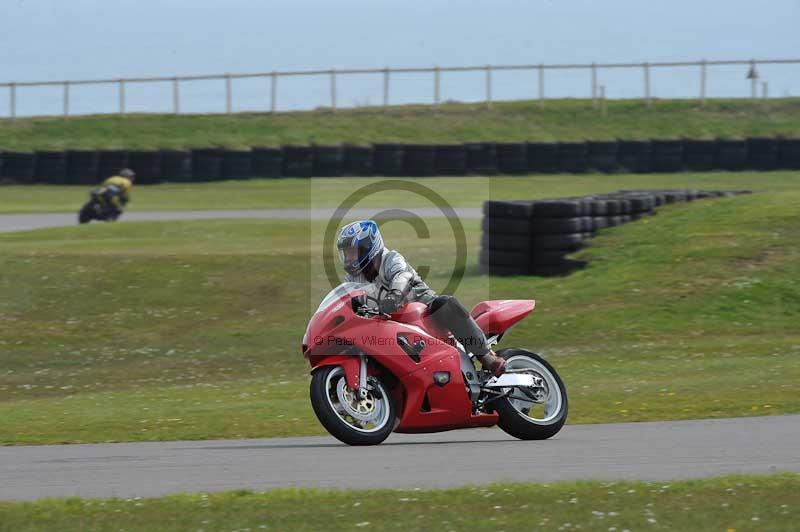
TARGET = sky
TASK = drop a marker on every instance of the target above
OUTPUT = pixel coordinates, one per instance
(79, 39)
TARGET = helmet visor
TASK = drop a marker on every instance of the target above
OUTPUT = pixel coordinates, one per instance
(351, 258)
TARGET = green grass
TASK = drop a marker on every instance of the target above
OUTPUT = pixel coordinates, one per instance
(329, 192)
(191, 330)
(506, 121)
(735, 503)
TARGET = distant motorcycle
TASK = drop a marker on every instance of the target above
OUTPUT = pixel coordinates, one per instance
(100, 206)
(374, 373)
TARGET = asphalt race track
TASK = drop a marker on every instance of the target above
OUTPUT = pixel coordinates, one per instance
(24, 222)
(630, 451)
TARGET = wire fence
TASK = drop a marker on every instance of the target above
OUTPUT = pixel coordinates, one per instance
(329, 81)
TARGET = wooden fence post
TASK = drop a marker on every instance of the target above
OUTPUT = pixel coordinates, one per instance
(333, 90)
(489, 86)
(12, 96)
(122, 97)
(541, 86)
(176, 97)
(436, 75)
(703, 83)
(228, 94)
(66, 99)
(273, 91)
(385, 88)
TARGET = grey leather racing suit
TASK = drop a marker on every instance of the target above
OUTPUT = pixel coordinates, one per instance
(395, 274)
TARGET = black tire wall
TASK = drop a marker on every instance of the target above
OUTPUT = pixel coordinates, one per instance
(84, 167)
(110, 162)
(51, 167)
(18, 166)
(267, 162)
(147, 165)
(176, 166)
(237, 164)
(298, 161)
(358, 160)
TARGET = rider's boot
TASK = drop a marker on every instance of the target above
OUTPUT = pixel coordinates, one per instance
(493, 363)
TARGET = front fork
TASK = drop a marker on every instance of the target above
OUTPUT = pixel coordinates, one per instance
(362, 376)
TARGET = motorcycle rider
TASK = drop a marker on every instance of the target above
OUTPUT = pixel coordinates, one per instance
(116, 190)
(366, 260)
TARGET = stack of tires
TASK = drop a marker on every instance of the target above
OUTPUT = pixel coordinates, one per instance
(328, 161)
(699, 154)
(789, 154)
(451, 159)
(298, 161)
(147, 165)
(602, 155)
(82, 167)
(237, 164)
(573, 157)
(481, 158)
(206, 164)
(51, 167)
(512, 157)
(358, 160)
(635, 155)
(558, 227)
(176, 165)
(388, 159)
(267, 162)
(419, 160)
(667, 155)
(762, 153)
(535, 237)
(110, 162)
(506, 242)
(731, 154)
(18, 166)
(543, 157)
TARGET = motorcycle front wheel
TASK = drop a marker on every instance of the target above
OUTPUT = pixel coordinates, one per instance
(537, 414)
(345, 414)
(86, 212)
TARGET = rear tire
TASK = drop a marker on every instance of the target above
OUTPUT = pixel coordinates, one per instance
(339, 423)
(516, 423)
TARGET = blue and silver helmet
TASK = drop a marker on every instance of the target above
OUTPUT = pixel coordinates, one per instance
(359, 243)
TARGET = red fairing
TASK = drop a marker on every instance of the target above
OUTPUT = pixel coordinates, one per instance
(494, 317)
(337, 335)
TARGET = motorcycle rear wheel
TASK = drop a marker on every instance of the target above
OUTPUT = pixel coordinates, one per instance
(346, 416)
(516, 417)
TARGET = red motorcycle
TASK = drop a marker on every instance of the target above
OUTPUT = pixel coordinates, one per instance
(374, 373)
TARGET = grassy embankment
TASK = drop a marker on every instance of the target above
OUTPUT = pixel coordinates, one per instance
(727, 503)
(191, 330)
(506, 121)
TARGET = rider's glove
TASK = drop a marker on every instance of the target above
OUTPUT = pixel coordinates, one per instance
(391, 302)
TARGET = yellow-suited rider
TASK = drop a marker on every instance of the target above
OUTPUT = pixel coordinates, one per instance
(116, 190)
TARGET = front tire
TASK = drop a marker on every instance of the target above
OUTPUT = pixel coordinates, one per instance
(85, 214)
(529, 420)
(346, 416)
